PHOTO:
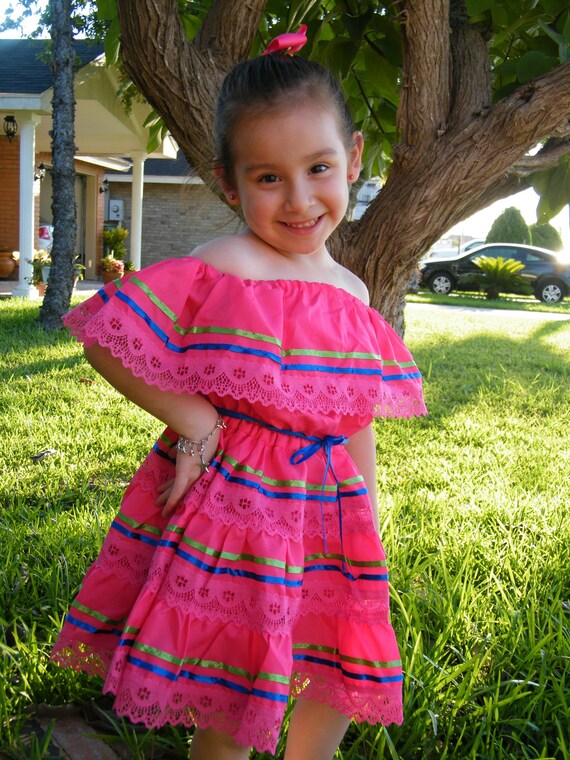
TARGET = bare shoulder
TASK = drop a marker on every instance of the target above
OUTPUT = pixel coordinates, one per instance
(354, 285)
(234, 254)
(224, 254)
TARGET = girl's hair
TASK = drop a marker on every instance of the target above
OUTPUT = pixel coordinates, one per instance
(272, 82)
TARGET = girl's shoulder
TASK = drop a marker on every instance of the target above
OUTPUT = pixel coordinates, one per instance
(239, 255)
(352, 284)
(229, 255)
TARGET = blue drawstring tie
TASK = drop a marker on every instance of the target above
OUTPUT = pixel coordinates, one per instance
(306, 452)
(325, 443)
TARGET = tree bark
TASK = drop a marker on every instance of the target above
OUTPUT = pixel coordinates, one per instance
(456, 149)
(60, 285)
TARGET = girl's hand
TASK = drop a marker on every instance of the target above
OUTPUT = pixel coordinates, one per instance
(173, 491)
(188, 470)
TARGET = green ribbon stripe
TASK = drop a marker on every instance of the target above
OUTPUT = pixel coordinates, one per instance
(196, 661)
(139, 526)
(346, 658)
(199, 330)
(97, 615)
(331, 354)
(230, 556)
(352, 562)
(168, 441)
(289, 483)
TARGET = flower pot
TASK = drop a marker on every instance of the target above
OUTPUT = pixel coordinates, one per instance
(41, 288)
(110, 276)
(7, 264)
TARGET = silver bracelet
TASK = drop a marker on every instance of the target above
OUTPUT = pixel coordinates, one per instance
(188, 446)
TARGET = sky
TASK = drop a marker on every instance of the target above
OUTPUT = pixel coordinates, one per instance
(476, 226)
(29, 26)
(479, 224)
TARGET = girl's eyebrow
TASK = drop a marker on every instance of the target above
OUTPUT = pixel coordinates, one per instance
(322, 153)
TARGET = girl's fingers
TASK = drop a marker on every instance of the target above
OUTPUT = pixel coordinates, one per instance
(166, 485)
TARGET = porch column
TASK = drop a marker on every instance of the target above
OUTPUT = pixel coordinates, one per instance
(28, 123)
(137, 207)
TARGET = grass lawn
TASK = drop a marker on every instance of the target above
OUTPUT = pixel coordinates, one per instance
(474, 509)
(478, 300)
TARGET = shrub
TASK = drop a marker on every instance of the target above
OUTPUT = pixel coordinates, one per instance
(498, 276)
(509, 227)
(546, 236)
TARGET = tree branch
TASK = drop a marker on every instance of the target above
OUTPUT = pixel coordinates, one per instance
(425, 99)
(180, 79)
(548, 157)
(229, 28)
(471, 87)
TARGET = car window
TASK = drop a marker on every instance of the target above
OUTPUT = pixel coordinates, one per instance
(533, 256)
(507, 253)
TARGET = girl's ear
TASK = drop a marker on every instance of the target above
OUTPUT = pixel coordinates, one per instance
(227, 187)
(355, 156)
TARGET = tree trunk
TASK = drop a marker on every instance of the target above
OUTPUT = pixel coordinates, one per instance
(456, 147)
(60, 284)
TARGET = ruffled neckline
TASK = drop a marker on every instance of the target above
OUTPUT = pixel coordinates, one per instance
(296, 345)
(281, 282)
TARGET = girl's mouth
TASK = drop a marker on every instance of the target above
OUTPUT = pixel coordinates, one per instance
(306, 225)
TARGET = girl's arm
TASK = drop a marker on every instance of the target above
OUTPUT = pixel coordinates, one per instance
(192, 416)
(362, 449)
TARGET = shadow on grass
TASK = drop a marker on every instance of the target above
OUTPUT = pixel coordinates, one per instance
(456, 371)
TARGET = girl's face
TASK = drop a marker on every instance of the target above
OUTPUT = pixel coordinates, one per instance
(291, 172)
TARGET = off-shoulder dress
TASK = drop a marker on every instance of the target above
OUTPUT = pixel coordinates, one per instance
(269, 580)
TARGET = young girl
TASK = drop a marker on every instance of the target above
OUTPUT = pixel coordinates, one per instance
(244, 566)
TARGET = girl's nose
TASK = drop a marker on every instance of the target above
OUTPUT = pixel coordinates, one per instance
(298, 196)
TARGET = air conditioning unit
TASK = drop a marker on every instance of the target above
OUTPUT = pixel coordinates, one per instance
(116, 210)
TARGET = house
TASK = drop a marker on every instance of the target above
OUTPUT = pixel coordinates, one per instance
(107, 138)
(179, 210)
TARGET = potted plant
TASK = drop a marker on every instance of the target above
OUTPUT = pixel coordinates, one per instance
(111, 268)
(41, 263)
(7, 263)
(114, 242)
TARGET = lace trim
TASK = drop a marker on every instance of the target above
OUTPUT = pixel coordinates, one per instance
(270, 613)
(69, 653)
(250, 722)
(380, 706)
(247, 726)
(279, 519)
(241, 378)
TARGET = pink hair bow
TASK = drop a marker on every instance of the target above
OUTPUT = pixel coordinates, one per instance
(288, 43)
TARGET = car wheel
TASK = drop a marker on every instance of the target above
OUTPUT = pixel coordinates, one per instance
(550, 291)
(441, 283)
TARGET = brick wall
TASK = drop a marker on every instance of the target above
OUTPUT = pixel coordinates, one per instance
(10, 183)
(176, 218)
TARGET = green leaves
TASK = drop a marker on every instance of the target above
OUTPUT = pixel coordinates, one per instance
(498, 275)
(157, 131)
(553, 186)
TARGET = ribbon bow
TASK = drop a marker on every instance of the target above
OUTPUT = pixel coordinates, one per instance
(288, 43)
(306, 452)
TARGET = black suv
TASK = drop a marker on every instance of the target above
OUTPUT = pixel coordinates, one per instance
(547, 273)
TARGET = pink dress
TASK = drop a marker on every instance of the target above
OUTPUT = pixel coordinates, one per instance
(269, 581)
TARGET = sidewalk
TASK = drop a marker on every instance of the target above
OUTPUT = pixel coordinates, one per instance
(84, 287)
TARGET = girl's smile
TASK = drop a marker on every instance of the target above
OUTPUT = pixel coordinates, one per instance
(290, 176)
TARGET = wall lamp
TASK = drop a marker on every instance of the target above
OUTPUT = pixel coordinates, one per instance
(104, 187)
(40, 172)
(10, 127)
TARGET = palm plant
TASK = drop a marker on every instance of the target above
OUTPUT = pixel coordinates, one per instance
(498, 275)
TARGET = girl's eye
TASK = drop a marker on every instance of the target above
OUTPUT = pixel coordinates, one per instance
(269, 178)
(319, 168)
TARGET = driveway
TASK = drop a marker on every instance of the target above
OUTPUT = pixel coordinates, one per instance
(489, 314)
